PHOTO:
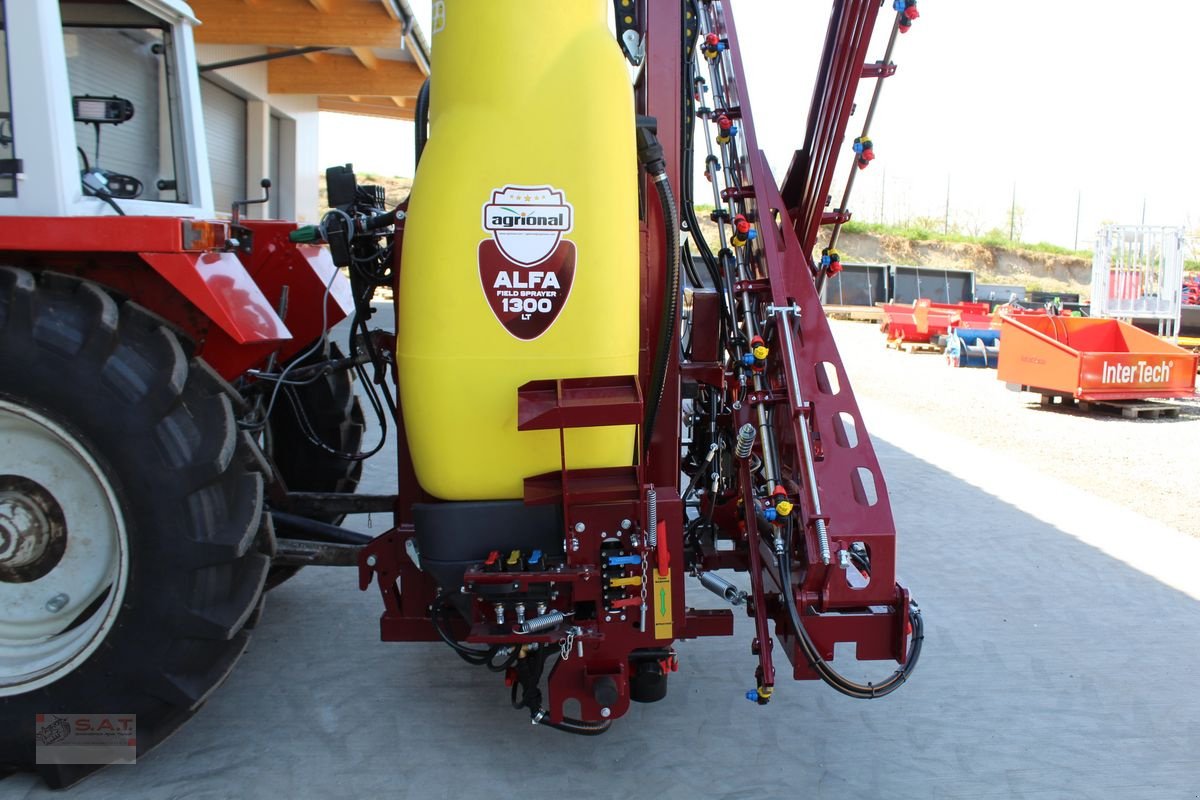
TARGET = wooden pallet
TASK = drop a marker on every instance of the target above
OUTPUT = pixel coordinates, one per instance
(856, 313)
(915, 347)
(1129, 409)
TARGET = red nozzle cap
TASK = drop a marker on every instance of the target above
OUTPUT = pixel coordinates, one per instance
(724, 122)
(712, 40)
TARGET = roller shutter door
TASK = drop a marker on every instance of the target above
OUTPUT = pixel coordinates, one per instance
(103, 62)
(225, 130)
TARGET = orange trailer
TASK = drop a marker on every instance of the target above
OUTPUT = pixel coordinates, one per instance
(1092, 359)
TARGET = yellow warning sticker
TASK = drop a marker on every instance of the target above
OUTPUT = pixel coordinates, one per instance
(662, 606)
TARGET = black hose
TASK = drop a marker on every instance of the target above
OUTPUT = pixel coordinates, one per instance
(670, 312)
(526, 693)
(421, 120)
(470, 655)
(579, 727)
(822, 667)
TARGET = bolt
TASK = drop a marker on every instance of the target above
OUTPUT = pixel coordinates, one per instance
(606, 712)
(499, 613)
(57, 603)
(626, 524)
(541, 609)
(580, 527)
(520, 609)
(608, 617)
(372, 561)
(622, 618)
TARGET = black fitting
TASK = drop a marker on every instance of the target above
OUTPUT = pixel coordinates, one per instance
(649, 151)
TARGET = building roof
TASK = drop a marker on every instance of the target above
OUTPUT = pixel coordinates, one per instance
(358, 56)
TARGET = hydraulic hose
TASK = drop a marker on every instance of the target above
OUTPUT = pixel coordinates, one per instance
(421, 122)
(650, 154)
(670, 313)
(827, 673)
(579, 727)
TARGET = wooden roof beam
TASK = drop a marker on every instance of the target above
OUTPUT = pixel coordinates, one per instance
(337, 74)
(366, 56)
(367, 106)
(297, 23)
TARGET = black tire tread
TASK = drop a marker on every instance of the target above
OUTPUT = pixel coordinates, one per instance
(191, 487)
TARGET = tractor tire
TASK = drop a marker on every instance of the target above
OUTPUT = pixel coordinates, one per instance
(333, 414)
(133, 580)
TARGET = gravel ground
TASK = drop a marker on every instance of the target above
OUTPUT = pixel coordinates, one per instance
(1144, 465)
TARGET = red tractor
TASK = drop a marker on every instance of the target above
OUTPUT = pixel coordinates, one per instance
(588, 422)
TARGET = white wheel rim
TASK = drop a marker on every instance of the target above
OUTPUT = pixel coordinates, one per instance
(64, 557)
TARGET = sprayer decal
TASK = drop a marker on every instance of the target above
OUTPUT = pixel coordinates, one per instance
(525, 267)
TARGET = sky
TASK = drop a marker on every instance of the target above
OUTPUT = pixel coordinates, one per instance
(1075, 106)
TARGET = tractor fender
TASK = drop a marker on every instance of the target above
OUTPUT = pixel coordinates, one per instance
(218, 285)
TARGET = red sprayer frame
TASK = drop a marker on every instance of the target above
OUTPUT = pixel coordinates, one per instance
(826, 465)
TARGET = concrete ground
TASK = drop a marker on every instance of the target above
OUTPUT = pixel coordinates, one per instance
(1062, 634)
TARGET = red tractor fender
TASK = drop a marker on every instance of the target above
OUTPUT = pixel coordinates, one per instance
(219, 286)
(227, 301)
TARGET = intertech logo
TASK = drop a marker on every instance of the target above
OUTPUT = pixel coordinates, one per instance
(1142, 372)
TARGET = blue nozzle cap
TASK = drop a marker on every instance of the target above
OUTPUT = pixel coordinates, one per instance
(535, 557)
(770, 514)
(752, 234)
(748, 359)
(752, 695)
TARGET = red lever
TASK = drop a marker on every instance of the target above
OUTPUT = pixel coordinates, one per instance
(664, 557)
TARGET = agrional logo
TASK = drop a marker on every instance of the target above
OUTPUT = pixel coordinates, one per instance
(527, 221)
(526, 268)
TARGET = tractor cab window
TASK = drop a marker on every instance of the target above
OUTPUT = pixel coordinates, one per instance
(125, 101)
(8, 166)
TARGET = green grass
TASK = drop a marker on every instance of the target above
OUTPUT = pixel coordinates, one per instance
(993, 238)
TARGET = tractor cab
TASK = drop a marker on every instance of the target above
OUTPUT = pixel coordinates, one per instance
(110, 123)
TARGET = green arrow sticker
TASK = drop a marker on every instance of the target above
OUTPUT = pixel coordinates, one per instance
(662, 601)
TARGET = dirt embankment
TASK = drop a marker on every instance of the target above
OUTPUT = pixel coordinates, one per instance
(396, 189)
(1033, 270)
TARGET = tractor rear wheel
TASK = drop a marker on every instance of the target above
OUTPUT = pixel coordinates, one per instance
(133, 547)
(307, 423)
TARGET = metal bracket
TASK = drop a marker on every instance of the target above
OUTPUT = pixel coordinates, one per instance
(793, 309)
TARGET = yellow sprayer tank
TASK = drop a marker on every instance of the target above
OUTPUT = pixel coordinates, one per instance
(520, 258)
